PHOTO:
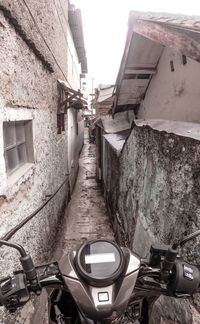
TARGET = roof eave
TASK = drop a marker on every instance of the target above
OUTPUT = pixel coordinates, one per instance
(76, 26)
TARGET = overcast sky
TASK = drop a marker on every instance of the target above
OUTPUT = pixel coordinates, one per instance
(105, 28)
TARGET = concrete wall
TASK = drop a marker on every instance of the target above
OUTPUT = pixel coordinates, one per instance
(28, 91)
(173, 95)
(157, 198)
(111, 188)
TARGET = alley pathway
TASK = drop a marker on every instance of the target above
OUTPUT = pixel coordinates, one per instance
(85, 216)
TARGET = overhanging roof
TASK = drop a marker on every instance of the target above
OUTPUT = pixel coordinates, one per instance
(70, 98)
(148, 34)
(76, 26)
(105, 94)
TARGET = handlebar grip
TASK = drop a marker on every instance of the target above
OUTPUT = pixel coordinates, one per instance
(185, 278)
(169, 259)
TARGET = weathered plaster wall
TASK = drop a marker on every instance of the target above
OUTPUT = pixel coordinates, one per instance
(46, 23)
(109, 170)
(157, 200)
(173, 95)
(28, 91)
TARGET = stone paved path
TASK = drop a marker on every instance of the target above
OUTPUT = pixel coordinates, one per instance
(85, 216)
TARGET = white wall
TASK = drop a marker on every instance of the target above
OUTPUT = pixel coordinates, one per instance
(173, 95)
(74, 68)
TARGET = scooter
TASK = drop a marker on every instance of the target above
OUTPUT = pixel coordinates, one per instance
(98, 281)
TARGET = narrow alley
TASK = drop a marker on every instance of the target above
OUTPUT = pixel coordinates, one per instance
(86, 215)
(61, 70)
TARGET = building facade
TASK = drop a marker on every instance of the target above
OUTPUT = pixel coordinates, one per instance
(41, 125)
(159, 72)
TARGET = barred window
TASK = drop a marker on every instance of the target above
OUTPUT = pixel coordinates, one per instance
(18, 144)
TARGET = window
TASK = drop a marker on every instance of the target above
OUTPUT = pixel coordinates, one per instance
(18, 144)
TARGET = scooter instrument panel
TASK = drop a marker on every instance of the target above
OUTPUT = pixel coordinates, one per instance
(100, 262)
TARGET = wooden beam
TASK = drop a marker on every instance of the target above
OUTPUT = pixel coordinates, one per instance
(69, 100)
(169, 37)
(63, 85)
(139, 71)
(63, 103)
(72, 91)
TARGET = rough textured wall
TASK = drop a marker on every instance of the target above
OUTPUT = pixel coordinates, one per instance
(28, 91)
(110, 178)
(159, 184)
(46, 23)
(157, 199)
(173, 95)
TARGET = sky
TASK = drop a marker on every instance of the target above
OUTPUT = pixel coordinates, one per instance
(105, 28)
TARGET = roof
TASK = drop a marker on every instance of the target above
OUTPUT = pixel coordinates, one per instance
(184, 129)
(76, 26)
(148, 34)
(104, 93)
(121, 122)
(183, 21)
(105, 86)
(117, 140)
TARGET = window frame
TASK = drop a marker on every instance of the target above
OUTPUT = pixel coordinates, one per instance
(27, 141)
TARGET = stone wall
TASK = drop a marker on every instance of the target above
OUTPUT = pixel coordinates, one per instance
(157, 200)
(28, 91)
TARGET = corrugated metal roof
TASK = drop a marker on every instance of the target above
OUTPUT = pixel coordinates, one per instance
(75, 22)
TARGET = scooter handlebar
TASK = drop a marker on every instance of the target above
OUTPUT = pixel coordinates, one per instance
(185, 278)
(14, 291)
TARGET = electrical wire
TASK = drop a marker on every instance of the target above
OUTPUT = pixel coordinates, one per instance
(188, 238)
(27, 219)
(15, 246)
